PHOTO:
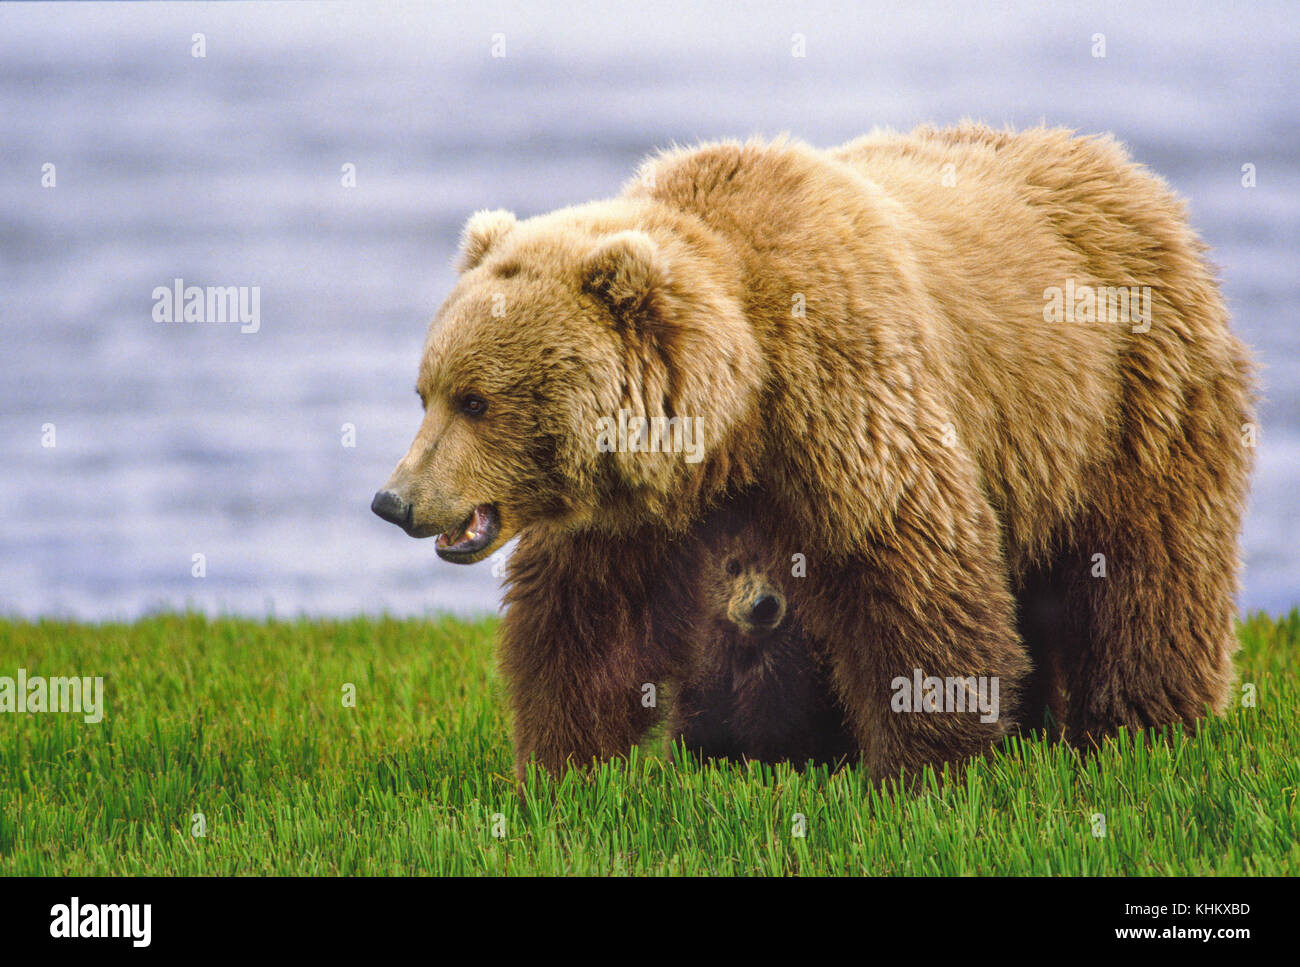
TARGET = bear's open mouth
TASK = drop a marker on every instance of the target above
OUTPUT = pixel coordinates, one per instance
(476, 532)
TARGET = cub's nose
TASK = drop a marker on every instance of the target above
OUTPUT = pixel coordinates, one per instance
(392, 508)
(765, 610)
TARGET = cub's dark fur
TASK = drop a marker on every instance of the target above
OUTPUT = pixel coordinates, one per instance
(758, 688)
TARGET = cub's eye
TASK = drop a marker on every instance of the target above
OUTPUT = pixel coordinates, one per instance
(472, 405)
(733, 567)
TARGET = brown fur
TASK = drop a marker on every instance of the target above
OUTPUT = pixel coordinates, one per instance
(922, 435)
(757, 687)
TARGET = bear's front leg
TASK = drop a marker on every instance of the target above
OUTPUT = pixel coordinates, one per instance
(920, 629)
(593, 627)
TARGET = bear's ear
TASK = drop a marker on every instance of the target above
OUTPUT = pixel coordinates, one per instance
(483, 230)
(624, 271)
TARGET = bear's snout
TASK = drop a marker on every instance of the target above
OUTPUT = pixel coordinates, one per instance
(756, 607)
(765, 610)
(393, 508)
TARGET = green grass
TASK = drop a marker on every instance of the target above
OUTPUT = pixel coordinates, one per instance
(243, 721)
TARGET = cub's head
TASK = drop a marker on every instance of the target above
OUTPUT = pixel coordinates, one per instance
(557, 326)
(741, 578)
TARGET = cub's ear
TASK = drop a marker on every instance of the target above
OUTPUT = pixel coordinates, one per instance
(483, 230)
(624, 271)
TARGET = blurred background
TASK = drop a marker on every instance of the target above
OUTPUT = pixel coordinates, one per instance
(228, 169)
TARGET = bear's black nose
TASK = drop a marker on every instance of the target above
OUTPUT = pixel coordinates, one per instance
(392, 508)
(765, 609)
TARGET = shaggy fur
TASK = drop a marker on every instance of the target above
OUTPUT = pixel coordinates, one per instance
(862, 330)
(757, 688)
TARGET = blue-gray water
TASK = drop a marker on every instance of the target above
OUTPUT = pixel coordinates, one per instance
(173, 440)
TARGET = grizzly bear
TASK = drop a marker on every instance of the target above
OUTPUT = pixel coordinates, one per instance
(961, 365)
(757, 688)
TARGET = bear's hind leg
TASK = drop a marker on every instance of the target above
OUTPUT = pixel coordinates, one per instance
(1154, 573)
(1152, 595)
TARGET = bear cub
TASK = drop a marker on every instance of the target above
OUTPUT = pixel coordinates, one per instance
(758, 688)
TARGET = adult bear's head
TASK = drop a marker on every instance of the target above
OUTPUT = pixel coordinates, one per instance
(591, 366)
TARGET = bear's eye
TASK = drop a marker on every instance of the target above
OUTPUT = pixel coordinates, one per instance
(733, 567)
(472, 405)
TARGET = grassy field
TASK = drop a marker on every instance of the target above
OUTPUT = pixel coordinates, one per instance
(244, 722)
